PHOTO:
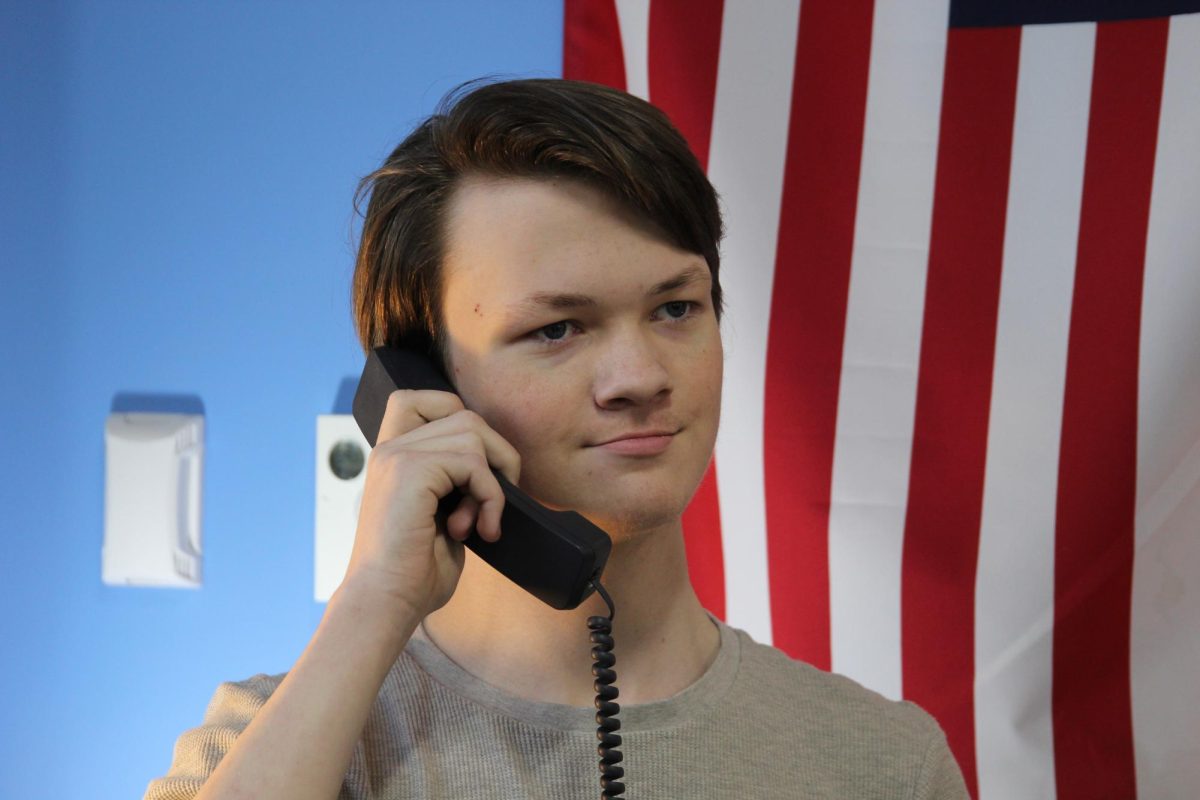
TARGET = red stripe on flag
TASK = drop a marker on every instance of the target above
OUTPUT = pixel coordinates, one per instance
(702, 541)
(1093, 566)
(592, 43)
(808, 314)
(685, 38)
(954, 387)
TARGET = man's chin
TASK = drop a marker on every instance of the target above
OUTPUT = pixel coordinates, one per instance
(628, 504)
(630, 520)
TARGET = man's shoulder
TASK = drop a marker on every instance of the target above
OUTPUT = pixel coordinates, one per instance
(832, 732)
(235, 702)
(775, 684)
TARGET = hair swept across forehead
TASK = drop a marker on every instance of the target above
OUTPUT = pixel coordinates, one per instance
(528, 128)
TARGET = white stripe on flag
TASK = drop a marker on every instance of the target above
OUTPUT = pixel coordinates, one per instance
(1165, 636)
(633, 18)
(878, 388)
(746, 159)
(1014, 590)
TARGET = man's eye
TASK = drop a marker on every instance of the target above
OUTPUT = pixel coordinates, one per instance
(680, 309)
(554, 332)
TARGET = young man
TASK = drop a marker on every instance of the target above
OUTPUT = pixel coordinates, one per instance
(554, 244)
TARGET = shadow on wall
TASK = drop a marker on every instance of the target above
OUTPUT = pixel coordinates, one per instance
(145, 402)
(344, 402)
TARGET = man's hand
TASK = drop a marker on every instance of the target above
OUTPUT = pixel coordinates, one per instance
(428, 445)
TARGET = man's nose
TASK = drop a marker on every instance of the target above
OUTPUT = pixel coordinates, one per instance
(630, 369)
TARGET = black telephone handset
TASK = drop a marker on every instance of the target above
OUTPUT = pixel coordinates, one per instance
(557, 556)
(554, 555)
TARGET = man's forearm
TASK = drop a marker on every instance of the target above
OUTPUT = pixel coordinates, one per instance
(299, 744)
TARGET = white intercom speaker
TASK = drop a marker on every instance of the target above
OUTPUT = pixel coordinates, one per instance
(341, 471)
(154, 466)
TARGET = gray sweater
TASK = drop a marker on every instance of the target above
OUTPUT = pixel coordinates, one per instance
(757, 724)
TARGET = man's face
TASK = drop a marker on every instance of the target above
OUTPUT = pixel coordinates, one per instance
(558, 376)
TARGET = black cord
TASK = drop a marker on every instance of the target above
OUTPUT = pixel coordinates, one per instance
(606, 692)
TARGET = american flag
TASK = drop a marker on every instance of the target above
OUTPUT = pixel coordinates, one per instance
(959, 457)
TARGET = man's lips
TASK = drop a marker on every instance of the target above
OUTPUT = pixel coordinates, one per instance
(640, 443)
(658, 432)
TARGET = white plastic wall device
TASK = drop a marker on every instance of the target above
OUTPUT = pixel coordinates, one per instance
(341, 467)
(154, 466)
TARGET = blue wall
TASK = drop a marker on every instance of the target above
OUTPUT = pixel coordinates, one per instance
(175, 224)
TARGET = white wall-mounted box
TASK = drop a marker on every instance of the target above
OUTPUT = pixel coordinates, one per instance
(341, 470)
(153, 479)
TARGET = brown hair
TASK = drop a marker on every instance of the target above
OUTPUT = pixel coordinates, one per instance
(529, 128)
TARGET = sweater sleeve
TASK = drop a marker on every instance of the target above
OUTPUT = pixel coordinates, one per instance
(940, 777)
(199, 750)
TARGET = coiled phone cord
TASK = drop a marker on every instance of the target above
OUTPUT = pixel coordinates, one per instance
(606, 710)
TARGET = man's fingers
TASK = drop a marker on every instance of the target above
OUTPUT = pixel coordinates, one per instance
(461, 521)
(483, 499)
(431, 422)
(467, 432)
(409, 409)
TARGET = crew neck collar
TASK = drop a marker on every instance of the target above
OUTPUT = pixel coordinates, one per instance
(691, 702)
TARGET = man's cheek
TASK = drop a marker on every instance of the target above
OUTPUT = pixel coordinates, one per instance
(536, 443)
(506, 418)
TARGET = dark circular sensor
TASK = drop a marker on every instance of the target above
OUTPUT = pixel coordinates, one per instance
(346, 459)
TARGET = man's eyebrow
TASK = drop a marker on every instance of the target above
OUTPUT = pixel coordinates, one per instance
(568, 300)
(688, 276)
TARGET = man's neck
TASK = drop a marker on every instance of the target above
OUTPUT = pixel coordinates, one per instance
(506, 637)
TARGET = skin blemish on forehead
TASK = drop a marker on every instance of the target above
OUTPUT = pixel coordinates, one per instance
(477, 311)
